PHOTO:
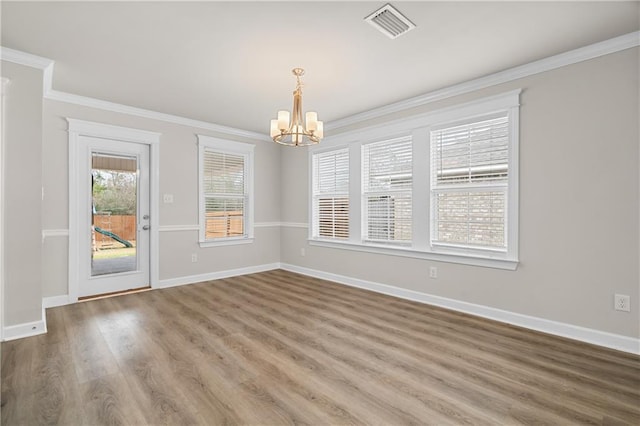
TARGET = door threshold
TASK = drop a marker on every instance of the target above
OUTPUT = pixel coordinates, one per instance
(114, 293)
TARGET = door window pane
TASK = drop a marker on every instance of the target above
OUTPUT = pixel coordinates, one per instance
(114, 188)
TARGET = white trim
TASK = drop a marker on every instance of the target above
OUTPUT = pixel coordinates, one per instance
(48, 233)
(226, 242)
(179, 228)
(420, 126)
(27, 329)
(463, 111)
(191, 279)
(47, 65)
(601, 338)
(266, 224)
(294, 225)
(33, 61)
(401, 251)
(4, 82)
(102, 130)
(225, 145)
(64, 299)
(154, 209)
(592, 51)
(70, 98)
(23, 58)
(79, 128)
(54, 301)
(247, 151)
(513, 189)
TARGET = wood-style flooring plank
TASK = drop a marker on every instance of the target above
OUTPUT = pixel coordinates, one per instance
(108, 400)
(556, 364)
(316, 358)
(90, 353)
(399, 375)
(17, 390)
(58, 399)
(279, 348)
(505, 368)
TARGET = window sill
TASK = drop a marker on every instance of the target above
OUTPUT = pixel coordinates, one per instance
(459, 258)
(226, 242)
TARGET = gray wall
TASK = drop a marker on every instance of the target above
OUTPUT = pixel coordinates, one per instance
(579, 195)
(178, 176)
(22, 168)
(579, 214)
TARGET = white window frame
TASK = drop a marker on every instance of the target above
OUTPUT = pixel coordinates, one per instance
(208, 143)
(492, 186)
(365, 194)
(316, 196)
(419, 126)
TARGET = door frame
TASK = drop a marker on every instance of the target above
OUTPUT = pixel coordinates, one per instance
(137, 274)
(4, 82)
(78, 128)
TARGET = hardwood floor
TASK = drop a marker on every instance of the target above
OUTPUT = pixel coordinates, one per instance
(282, 348)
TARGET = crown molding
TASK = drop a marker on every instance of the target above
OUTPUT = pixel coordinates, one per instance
(70, 98)
(47, 65)
(592, 51)
(33, 61)
(24, 58)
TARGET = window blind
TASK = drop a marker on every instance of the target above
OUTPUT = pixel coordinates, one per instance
(224, 194)
(469, 178)
(387, 184)
(331, 194)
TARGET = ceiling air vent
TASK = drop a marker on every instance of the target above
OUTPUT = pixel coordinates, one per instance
(390, 22)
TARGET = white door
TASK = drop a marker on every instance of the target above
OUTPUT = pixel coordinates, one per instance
(113, 216)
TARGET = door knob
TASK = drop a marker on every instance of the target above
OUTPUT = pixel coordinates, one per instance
(146, 227)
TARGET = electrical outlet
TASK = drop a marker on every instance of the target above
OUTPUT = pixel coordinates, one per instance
(167, 198)
(621, 302)
(433, 272)
(194, 257)
(303, 252)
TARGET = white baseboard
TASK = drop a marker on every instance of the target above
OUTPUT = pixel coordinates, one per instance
(191, 279)
(601, 338)
(27, 329)
(53, 301)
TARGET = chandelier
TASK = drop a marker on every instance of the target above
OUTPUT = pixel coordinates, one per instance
(292, 131)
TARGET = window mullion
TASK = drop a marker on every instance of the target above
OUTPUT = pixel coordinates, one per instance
(355, 200)
(420, 197)
(462, 175)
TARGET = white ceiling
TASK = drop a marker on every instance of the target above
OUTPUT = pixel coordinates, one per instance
(230, 63)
